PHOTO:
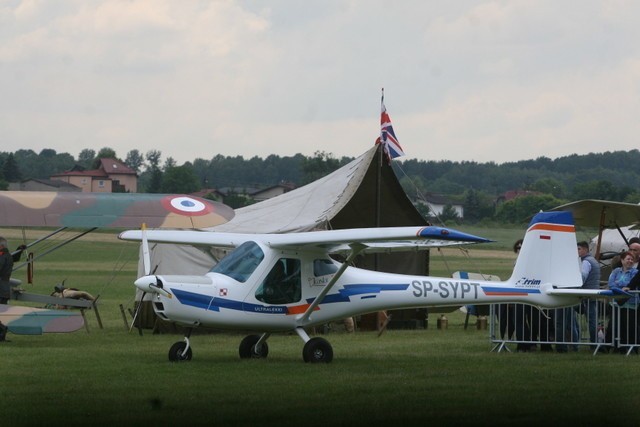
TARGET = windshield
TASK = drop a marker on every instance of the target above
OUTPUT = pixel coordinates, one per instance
(240, 263)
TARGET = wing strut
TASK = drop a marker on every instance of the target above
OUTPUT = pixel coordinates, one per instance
(356, 248)
(66, 242)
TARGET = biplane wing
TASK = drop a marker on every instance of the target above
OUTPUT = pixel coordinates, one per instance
(36, 321)
(602, 213)
(121, 210)
(383, 239)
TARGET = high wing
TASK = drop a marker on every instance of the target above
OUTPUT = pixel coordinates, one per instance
(383, 239)
(122, 210)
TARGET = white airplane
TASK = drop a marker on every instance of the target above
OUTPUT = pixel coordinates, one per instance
(289, 282)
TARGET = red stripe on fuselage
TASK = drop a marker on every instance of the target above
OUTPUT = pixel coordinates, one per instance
(505, 294)
(299, 309)
(553, 227)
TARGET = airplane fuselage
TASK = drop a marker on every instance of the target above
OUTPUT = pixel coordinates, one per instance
(216, 300)
(282, 282)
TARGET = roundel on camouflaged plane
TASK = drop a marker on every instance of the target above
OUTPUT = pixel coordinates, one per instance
(122, 210)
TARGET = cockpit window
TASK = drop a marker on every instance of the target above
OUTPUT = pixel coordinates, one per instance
(322, 267)
(240, 263)
(282, 285)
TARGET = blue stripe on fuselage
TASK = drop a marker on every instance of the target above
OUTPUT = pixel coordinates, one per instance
(208, 302)
(193, 299)
(348, 291)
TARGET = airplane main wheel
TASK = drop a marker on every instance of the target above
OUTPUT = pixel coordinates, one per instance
(177, 353)
(317, 350)
(248, 349)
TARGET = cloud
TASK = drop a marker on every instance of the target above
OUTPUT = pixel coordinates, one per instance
(477, 80)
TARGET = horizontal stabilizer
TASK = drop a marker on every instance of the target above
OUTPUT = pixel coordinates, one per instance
(577, 292)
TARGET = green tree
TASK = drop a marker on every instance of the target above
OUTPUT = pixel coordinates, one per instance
(472, 207)
(104, 153)
(86, 158)
(134, 160)
(169, 163)
(632, 197)
(180, 179)
(596, 189)
(449, 214)
(4, 185)
(521, 209)
(414, 186)
(477, 206)
(155, 174)
(550, 186)
(10, 169)
(321, 164)
(235, 200)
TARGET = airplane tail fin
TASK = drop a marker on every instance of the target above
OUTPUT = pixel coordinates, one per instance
(549, 252)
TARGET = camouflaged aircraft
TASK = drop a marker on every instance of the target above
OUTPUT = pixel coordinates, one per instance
(36, 321)
(117, 210)
(87, 212)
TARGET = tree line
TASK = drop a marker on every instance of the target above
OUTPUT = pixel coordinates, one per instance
(477, 186)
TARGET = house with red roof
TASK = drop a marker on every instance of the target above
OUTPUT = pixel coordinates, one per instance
(112, 176)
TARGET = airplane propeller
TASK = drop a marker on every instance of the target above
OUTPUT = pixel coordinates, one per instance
(146, 263)
(146, 259)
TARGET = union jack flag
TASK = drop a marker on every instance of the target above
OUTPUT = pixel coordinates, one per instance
(387, 137)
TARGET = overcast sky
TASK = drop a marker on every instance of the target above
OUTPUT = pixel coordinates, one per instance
(464, 80)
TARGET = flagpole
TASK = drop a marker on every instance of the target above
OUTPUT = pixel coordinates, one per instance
(381, 317)
(378, 186)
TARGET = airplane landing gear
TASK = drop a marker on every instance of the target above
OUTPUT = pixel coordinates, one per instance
(180, 351)
(254, 347)
(317, 350)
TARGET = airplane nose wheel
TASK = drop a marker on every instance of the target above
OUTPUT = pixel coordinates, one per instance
(177, 352)
(317, 350)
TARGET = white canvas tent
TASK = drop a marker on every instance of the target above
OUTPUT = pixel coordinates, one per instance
(363, 193)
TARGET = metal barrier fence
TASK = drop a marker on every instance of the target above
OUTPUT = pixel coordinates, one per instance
(598, 324)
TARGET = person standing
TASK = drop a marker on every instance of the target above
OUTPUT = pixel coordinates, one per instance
(621, 278)
(567, 329)
(590, 270)
(634, 248)
(507, 312)
(6, 268)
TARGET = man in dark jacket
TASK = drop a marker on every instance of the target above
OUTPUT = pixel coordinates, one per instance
(6, 267)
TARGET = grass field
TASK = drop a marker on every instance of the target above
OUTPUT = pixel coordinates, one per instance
(441, 377)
